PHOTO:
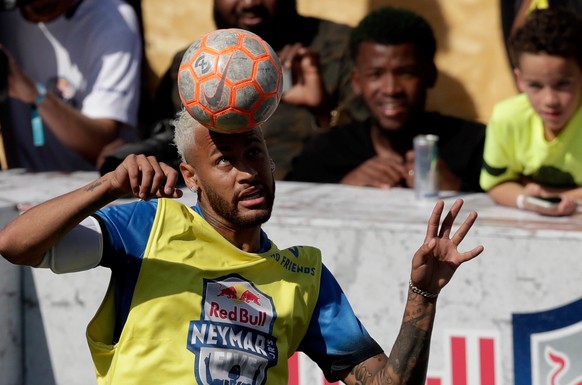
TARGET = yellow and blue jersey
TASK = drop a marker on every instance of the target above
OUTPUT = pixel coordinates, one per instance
(186, 306)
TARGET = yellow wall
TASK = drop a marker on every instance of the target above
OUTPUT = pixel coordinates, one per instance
(473, 69)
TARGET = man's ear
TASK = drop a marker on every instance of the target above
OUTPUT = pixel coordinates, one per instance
(190, 176)
(355, 81)
(519, 79)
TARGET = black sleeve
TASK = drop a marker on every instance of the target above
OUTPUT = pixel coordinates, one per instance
(313, 163)
(462, 151)
(329, 156)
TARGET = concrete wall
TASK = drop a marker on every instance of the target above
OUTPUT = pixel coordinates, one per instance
(367, 237)
(11, 354)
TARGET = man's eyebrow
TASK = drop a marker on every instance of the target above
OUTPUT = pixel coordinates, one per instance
(253, 139)
(221, 148)
(228, 146)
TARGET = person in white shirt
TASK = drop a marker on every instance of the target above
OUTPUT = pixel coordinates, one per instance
(73, 80)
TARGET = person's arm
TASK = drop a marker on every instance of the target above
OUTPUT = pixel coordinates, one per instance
(506, 193)
(433, 265)
(514, 194)
(80, 133)
(26, 239)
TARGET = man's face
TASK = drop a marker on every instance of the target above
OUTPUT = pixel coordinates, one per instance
(234, 177)
(44, 11)
(257, 16)
(552, 85)
(392, 82)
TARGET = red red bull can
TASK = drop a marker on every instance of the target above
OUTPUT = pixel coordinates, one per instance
(426, 176)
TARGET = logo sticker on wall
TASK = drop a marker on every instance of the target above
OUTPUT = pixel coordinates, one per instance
(547, 346)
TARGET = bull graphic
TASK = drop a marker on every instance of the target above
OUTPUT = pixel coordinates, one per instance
(228, 291)
(248, 297)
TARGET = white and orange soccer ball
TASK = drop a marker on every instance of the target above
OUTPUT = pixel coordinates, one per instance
(230, 80)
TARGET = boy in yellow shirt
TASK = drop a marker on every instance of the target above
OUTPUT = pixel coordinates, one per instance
(533, 140)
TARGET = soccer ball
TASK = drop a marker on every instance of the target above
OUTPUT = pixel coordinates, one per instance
(230, 80)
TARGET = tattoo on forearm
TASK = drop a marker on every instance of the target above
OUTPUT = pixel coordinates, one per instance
(409, 356)
(408, 360)
(363, 375)
(94, 186)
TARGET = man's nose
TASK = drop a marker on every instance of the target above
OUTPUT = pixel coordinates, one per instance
(250, 3)
(390, 84)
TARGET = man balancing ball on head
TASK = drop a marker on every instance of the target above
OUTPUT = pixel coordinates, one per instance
(197, 295)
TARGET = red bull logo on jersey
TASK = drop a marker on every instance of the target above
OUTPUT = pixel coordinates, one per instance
(237, 313)
(247, 296)
(233, 340)
(547, 346)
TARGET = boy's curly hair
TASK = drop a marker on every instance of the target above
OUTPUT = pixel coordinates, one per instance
(393, 26)
(552, 31)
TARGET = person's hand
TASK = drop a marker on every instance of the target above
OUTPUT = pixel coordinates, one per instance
(435, 262)
(380, 171)
(145, 177)
(308, 89)
(567, 206)
(20, 85)
(533, 189)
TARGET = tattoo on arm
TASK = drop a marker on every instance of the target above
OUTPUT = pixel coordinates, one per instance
(94, 186)
(408, 360)
(409, 356)
(365, 375)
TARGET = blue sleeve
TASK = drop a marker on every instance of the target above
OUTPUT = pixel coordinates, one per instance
(126, 230)
(336, 339)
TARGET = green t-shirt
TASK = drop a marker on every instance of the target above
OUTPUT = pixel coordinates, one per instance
(515, 146)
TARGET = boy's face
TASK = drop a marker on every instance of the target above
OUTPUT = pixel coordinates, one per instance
(553, 86)
(392, 82)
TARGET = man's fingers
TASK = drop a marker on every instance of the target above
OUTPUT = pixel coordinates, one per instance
(447, 224)
(146, 174)
(468, 255)
(288, 54)
(169, 188)
(464, 228)
(434, 221)
(147, 177)
(132, 175)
